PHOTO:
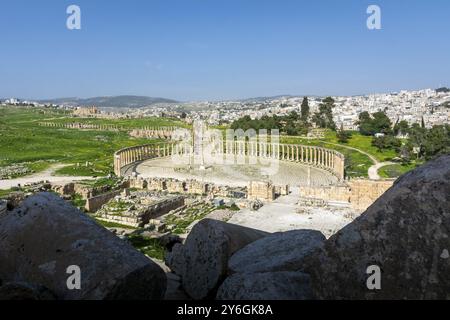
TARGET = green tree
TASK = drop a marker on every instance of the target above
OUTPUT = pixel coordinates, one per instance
(382, 123)
(379, 122)
(437, 141)
(387, 142)
(305, 109)
(342, 135)
(401, 127)
(324, 117)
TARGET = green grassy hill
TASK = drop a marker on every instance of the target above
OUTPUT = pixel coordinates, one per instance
(22, 140)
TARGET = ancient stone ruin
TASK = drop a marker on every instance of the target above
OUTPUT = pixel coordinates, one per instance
(404, 234)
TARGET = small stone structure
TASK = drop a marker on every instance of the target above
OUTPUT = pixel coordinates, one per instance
(86, 111)
(259, 190)
(95, 203)
(359, 193)
(140, 211)
(151, 132)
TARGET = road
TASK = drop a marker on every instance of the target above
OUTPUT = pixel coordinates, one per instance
(46, 175)
(373, 170)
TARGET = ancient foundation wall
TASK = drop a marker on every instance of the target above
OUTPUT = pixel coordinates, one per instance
(366, 192)
(154, 210)
(359, 193)
(258, 190)
(191, 187)
(95, 203)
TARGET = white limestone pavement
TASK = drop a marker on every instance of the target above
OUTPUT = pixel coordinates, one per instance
(281, 215)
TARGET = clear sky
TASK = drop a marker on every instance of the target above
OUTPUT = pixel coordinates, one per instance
(221, 49)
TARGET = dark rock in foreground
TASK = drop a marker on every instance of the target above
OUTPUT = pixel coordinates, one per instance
(25, 291)
(44, 236)
(281, 251)
(406, 233)
(284, 285)
(202, 260)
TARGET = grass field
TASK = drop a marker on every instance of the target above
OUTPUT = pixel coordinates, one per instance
(395, 170)
(89, 152)
(357, 162)
(22, 140)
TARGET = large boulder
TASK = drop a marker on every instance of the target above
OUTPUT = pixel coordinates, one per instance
(25, 291)
(281, 251)
(283, 285)
(202, 260)
(45, 235)
(406, 233)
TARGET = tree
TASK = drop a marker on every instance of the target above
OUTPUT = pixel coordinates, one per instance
(342, 135)
(324, 117)
(379, 122)
(382, 123)
(387, 142)
(417, 138)
(437, 141)
(401, 128)
(305, 109)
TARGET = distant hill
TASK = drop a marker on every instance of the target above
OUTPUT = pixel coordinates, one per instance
(111, 102)
(260, 99)
(443, 89)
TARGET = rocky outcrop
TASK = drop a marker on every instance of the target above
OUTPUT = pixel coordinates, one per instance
(25, 291)
(281, 251)
(406, 233)
(202, 260)
(284, 285)
(45, 235)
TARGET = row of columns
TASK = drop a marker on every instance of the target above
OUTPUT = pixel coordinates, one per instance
(139, 153)
(317, 156)
(164, 131)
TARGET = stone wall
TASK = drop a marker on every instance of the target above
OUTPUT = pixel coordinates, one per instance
(365, 192)
(152, 211)
(85, 191)
(340, 193)
(160, 133)
(95, 203)
(359, 193)
(258, 190)
(192, 186)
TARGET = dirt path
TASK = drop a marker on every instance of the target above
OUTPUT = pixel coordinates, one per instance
(46, 175)
(373, 170)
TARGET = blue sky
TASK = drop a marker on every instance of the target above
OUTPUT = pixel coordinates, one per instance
(221, 49)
